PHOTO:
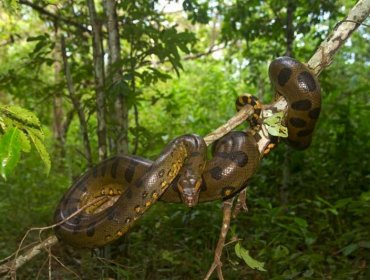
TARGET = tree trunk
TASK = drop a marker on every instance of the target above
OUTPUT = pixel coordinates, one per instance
(290, 28)
(120, 105)
(76, 105)
(99, 80)
(58, 113)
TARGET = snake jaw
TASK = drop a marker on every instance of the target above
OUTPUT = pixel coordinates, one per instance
(189, 188)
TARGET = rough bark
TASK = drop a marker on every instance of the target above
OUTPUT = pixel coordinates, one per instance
(99, 80)
(120, 105)
(324, 55)
(28, 255)
(58, 113)
(76, 105)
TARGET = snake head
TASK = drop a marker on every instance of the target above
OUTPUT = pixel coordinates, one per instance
(189, 188)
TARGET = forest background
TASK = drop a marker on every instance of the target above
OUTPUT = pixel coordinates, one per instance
(177, 68)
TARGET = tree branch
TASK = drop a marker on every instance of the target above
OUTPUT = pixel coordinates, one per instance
(76, 104)
(120, 120)
(211, 50)
(324, 55)
(54, 17)
(99, 79)
(28, 255)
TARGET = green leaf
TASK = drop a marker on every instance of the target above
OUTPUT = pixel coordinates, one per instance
(40, 147)
(350, 249)
(9, 151)
(21, 116)
(244, 254)
(24, 141)
(301, 222)
(274, 125)
(274, 119)
(280, 252)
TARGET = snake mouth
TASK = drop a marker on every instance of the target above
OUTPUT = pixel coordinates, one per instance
(190, 200)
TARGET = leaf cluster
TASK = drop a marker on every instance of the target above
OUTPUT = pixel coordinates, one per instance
(18, 128)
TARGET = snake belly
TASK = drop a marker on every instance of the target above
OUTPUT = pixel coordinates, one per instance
(301, 89)
(96, 227)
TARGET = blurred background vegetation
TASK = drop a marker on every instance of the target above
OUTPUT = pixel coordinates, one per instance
(178, 68)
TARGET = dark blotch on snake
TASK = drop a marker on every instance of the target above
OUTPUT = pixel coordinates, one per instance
(216, 173)
(239, 157)
(304, 133)
(306, 80)
(130, 171)
(297, 122)
(302, 105)
(284, 76)
(113, 170)
(90, 229)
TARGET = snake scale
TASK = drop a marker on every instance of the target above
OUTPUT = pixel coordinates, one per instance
(181, 173)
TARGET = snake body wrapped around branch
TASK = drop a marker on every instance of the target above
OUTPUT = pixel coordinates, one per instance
(182, 173)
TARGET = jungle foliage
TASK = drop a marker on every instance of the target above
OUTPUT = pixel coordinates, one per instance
(180, 72)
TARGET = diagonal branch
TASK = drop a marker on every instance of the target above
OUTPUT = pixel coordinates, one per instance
(53, 16)
(324, 55)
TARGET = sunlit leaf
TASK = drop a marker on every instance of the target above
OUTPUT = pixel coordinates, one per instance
(24, 142)
(244, 254)
(10, 148)
(21, 116)
(274, 125)
(40, 147)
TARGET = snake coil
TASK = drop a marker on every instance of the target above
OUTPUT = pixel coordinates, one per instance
(181, 172)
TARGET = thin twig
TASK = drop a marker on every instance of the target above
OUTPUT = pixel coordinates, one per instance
(217, 264)
(49, 257)
(65, 267)
(42, 267)
(19, 260)
(54, 17)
